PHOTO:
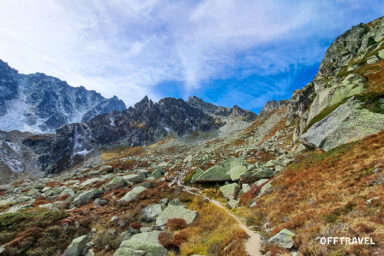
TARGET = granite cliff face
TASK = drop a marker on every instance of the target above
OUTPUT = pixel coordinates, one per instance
(352, 66)
(39, 103)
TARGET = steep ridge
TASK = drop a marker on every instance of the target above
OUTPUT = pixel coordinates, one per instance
(142, 124)
(236, 112)
(39, 103)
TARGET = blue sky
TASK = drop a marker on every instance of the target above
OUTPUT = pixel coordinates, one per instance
(228, 52)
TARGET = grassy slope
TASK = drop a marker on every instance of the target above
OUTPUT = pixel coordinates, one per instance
(326, 193)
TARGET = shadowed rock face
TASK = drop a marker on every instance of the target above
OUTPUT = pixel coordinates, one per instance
(41, 104)
(19, 152)
(144, 123)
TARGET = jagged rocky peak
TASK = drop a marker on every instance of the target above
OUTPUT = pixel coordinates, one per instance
(209, 108)
(355, 42)
(41, 103)
(273, 105)
(144, 123)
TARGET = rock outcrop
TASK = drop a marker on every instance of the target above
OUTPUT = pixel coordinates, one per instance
(349, 122)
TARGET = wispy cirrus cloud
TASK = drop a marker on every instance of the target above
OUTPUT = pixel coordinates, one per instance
(129, 48)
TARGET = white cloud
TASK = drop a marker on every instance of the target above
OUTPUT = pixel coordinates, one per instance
(126, 48)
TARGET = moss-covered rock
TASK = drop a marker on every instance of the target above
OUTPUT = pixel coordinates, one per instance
(77, 246)
(227, 170)
(229, 191)
(142, 244)
(348, 123)
(176, 212)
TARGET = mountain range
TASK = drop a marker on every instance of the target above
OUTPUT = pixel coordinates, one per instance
(179, 177)
(39, 103)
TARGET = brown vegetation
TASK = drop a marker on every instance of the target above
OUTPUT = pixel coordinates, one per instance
(326, 193)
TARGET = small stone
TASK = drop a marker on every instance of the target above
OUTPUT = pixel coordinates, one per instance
(245, 188)
(90, 253)
(264, 189)
(143, 173)
(87, 196)
(229, 191)
(151, 212)
(164, 201)
(373, 59)
(115, 183)
(261, 182)
(134, 178)
(77, 246)
(232, 204)
(283, 239)
(156, 174)
(114, 218)
(381, 54)
(174, 201)
(173, 212)
(370, 200)
(89, 182)
(131, 195)
(106, 169)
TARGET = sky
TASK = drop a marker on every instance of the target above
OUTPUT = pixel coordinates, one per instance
(228, 52)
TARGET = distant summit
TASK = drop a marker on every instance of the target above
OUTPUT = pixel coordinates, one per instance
(235, 112)
(39, 103)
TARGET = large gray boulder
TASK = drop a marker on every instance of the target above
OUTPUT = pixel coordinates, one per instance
(77, 246)
(131, 195)
(348, 123)
(257, 174)
(134, 178)
(229, 191)
(142, 244)
(127, 251)
(353, 84)
(227, 170)
(116, 182)
(90, 181)
(283, 239)
(176, 212)
(196, 175)
(151, 212)
(87, 196)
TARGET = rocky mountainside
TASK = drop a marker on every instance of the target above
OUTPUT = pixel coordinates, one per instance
(160, 181)
(235, 112)
(144, 123)
(41, 104)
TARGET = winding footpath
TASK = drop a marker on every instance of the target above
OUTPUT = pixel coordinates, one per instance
(253, 244)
